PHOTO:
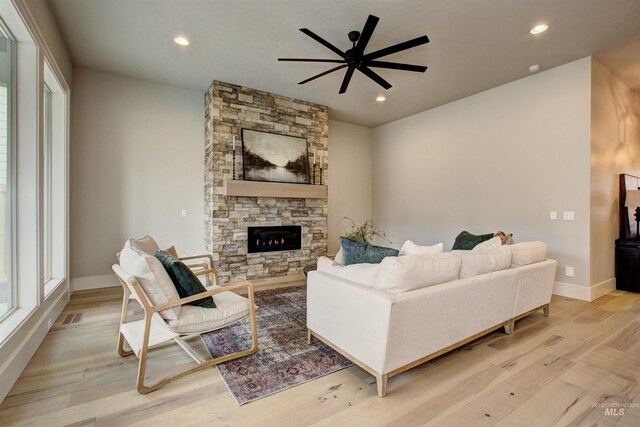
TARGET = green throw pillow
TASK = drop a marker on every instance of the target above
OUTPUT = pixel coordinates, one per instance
(184, 280)
(356, 252)
(467, 241)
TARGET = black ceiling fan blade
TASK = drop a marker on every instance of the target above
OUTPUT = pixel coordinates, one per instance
(367, 31)
(336, 61)
(322, 41)
(347, 79)
(397, 47)
(374, 76)
(396, 66)
(323, 74)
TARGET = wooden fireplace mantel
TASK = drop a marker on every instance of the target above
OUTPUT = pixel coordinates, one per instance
(273, 189)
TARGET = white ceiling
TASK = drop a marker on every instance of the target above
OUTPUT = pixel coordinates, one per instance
(475, 45)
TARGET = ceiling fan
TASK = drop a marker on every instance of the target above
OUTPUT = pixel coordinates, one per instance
(355, 58)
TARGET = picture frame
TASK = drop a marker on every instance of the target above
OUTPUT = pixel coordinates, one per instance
(272, 157)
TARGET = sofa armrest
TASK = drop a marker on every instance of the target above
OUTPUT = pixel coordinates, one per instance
(353, 317)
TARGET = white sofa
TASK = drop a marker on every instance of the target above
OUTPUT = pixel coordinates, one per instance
(386, 332)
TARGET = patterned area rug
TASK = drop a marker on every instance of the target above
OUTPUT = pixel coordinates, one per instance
(284, 359)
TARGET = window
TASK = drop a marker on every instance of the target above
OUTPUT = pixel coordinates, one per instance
(47, 190)
(7, 289)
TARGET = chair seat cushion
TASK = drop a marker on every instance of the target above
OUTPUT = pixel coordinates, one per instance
(197, 320)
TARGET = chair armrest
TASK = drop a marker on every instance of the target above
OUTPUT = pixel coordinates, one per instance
(208, 257)
(211, 292)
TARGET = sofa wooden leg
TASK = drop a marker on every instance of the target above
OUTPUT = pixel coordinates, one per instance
(381, 381)
(545, 310)
(309, 336)
(509, 327)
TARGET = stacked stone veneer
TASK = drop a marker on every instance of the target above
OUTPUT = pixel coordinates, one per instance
(228, 109)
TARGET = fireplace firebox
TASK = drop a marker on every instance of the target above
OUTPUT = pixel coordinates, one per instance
(274, 238)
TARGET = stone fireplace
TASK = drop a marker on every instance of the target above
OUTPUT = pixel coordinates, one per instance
(274, 238)
(230, 219)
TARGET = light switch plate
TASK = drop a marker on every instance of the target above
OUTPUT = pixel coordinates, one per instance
(568, 271)
(567, 215)
(184, 212)
(553, 215)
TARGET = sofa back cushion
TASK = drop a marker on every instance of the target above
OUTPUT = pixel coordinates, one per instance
(494, 242)
(153, 279)
(483, 261)
(410, 248)
(526, 253)
(362, 274)
(406, 273)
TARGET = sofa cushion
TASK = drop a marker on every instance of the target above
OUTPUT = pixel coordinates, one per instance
(410, 248)
(153, 279)
(526, 253)
(405, 273)
(494, 242)
(145, 244)
(340, 256)
(356, 252)
(185, 282)
(467, 241)
(362, 274)
(483, 261)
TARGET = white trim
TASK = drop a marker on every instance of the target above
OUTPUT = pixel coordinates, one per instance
(94, 282)
(572, 290)
(584, 293)
(602, 288)
(13, 366)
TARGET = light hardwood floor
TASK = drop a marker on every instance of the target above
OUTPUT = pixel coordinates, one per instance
(551, 371)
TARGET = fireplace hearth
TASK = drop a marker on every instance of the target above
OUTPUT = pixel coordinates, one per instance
(274, 238)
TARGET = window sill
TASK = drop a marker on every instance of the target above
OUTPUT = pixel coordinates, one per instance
(13, 321)
(52, 285)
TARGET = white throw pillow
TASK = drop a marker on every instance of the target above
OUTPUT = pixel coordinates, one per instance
(410, 248)
(145, 244)
(406, 273)
(153, 279)
(481, 261)
(362, 274)
(526, 253)
(494, 242)
(340, 257)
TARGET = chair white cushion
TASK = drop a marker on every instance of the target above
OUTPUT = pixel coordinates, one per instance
(481, 261)
(410, 248)
(526, 253)
(145, 244)
(363, 274)
(153, 279)
(494, 242)
(230, 307)
(405, 273)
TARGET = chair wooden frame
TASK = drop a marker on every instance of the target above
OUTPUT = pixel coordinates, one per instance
(132, 284)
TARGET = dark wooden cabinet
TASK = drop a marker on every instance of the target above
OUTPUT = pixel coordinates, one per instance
(628, 265)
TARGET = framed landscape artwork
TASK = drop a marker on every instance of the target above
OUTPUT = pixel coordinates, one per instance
(275, 158)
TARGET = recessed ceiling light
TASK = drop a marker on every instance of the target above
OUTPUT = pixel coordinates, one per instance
(540, 28)
(182, 41)
(381, 98)
(534, 68)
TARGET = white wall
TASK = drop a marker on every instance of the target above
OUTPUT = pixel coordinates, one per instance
(499, 160)
(350, 181)
(615, 149)
(137, 160)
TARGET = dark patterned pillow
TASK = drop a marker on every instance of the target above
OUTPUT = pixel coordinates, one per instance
(184, 280)
(356, 252)
(467, 241)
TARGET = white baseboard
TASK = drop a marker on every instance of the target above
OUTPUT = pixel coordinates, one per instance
(603, 288)
(37, 328)
(584, 293)
(94, 282)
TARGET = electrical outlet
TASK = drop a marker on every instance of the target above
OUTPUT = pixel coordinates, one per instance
(553, 215)
(567, 215)
(568, 271)
(184, 212)
(49, 324)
